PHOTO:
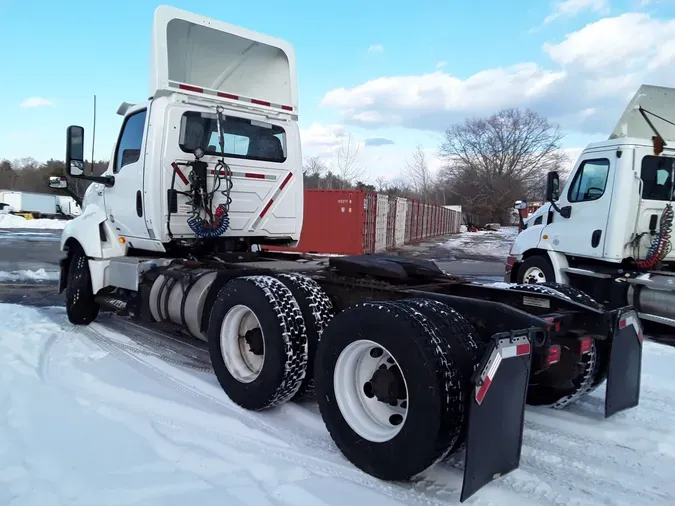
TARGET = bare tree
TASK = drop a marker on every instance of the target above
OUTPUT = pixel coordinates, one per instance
(346, 164)
(418, 173)
(314, 170)
(491, 162)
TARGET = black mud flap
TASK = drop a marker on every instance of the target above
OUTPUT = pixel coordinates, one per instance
(625, 364)
(497, 410)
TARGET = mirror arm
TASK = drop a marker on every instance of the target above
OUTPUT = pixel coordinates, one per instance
(108, 181)
(558, 210)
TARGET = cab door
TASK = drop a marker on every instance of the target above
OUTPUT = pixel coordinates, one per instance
(124, 201)
(589, 197)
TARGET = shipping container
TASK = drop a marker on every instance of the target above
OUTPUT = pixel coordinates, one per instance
(355, 222)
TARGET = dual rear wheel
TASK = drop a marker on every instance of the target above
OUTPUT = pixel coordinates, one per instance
(391, 378)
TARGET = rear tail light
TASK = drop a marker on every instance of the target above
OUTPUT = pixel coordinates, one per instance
(585, 345)
(553, 356)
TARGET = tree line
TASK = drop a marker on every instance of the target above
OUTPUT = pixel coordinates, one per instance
(487, 164)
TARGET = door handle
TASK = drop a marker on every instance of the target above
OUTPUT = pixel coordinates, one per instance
(139, 204)
(595, 238)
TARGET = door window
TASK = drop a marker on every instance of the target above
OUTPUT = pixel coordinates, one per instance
(131, 140)
(590, 181)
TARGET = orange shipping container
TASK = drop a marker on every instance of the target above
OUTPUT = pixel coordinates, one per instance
(336, 222)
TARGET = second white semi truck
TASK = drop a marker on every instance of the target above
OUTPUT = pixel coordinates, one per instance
(609, 231)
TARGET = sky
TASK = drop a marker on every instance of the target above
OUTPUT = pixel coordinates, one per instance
(394, 74)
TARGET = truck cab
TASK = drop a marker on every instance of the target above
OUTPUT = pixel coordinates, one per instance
(608, 230)
(213, 154)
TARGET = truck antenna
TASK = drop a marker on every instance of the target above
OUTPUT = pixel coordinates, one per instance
(93, 138)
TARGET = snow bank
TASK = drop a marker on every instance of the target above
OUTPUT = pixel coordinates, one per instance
(26, 275)
(487, 243)
(13, 221)
(92, 416)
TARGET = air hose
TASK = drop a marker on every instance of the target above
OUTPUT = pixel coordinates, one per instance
(660, 246)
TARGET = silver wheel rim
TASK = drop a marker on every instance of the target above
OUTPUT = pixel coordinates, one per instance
(240, 361)
(534, 275)
(372, 419)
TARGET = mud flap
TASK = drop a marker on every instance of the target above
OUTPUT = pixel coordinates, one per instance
(625, 364)
(497, 410)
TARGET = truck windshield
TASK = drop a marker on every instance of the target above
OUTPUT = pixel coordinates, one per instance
(657, 177)
(244, 138)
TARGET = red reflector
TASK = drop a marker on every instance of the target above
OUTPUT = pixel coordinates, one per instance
(254, 176)
(553, 356)
(228, 95)
(187, 87)
(259, 102)
(483, 390)
(623, 323)
(286, 107)
(179, 173)
(286, 180)
(523, 349)
(266, 208)
(586, 345)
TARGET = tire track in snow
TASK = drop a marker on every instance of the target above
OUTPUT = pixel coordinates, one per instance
(572, 456)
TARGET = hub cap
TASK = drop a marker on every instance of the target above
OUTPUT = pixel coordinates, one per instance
(371, 391)
(242, 344)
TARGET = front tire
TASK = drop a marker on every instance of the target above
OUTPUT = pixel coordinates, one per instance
(535, 270)
(388, 389)
(81, 307)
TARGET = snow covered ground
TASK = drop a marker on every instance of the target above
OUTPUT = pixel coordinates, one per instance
(10, 221)
(29, 275)
(495, 244)
(94, 417)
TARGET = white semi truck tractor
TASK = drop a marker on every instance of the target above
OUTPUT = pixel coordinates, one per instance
(609, 231)
(408, 364)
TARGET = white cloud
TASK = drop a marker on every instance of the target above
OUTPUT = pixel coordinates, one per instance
(571, 8)
(36, 102)
(441, 64)
(592, 74)
(379, 159)
(376, 48)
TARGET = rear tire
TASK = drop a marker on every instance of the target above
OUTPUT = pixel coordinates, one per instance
(433, 417)
(317, 311)
(81, 307)
(257, 342)
(463, 342)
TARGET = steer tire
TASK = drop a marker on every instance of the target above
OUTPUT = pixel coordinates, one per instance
(540, 262)
(464, 344)
(317, 311)
(433, 421)
(81, 307)
(284, 362)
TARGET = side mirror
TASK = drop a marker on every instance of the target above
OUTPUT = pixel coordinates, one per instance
(75, 151)
(552, 186)
(520, 205)
(58, 182)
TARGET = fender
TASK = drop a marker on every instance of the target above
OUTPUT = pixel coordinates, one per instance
(86, 230)
(559, 262)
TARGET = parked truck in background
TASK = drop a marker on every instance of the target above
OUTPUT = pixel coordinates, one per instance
(609, 231)
(39, 205)
(409, 365)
